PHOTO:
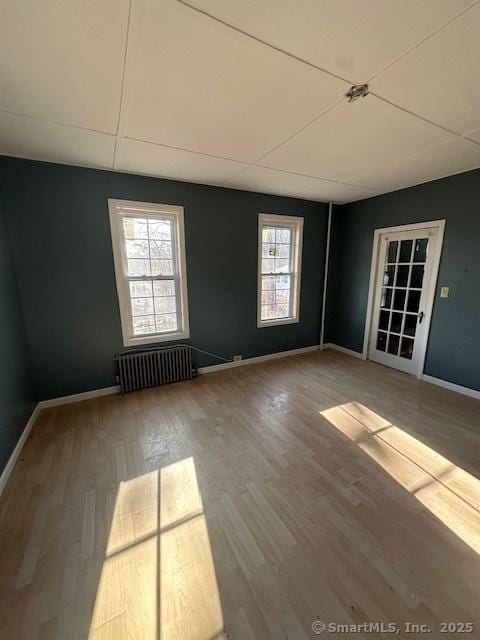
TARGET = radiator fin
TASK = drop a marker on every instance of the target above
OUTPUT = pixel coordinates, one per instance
(142, 369)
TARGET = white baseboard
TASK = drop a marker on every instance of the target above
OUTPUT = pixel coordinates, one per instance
(269, 356)
(466, 391)
(337, 347)
(7, 471)
(77, 397)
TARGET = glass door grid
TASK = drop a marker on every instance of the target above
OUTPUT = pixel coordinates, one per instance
(403, 275)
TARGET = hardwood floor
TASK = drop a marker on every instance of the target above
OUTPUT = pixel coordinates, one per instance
(255, 500)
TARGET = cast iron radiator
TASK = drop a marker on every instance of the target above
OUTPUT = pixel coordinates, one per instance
(142, 369)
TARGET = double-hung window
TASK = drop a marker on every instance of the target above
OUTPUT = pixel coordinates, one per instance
(149, 256)
(279, 269)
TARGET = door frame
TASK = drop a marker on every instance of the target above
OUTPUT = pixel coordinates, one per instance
(439, 226)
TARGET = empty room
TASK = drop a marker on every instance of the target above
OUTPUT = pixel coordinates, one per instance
(239, 319)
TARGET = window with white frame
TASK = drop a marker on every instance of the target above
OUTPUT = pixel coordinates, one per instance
(279, 269)
(149, 256)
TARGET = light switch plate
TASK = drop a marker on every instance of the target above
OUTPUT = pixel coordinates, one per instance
(444, 292)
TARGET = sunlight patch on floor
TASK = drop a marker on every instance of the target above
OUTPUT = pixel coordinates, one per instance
(158, 579)
(449, 492)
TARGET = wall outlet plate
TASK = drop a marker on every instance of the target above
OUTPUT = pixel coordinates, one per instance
(237, 358)
(444, 292)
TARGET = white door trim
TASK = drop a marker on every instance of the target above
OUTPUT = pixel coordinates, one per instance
(439, 225)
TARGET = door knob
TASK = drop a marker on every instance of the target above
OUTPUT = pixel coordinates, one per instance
(421, 315)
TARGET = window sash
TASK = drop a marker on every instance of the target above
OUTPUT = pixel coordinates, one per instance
(291, 300)
(175, 272)
(295, 225)
(119, 210)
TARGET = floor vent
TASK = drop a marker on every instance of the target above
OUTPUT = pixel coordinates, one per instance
(142, 369)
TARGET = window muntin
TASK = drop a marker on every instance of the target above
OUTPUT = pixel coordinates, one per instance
(280, 246)
(149, 253)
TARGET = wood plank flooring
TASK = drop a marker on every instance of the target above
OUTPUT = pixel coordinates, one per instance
(249, 502)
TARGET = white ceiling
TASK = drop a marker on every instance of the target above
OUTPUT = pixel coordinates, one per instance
(246, 94)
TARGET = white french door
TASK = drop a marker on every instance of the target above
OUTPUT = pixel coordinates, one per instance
(405, 280)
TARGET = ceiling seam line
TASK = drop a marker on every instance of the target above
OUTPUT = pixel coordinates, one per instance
(419, 44)
(307, 175)
(265, 43)
(58, 122)
(198, 153)
(310, 64)
(236, 175)
(295, 133)
(423, 119)
(380, 192)
(115, 153)
(124, 70)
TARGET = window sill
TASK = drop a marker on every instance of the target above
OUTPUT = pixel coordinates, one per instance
(154, 339)
(272, 323)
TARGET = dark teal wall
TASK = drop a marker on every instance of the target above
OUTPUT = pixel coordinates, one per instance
(454, 347)
(16, 389)
(59, 230)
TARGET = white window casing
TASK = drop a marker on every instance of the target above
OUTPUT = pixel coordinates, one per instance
(148, 242)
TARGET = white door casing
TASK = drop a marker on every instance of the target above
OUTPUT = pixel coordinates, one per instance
(403, 277)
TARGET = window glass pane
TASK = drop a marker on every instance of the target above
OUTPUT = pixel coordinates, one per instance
(282, 282)
(413, 302)
(402, 275)
(420, 251)
(283, 250)
(282, 235)
(160, 249)
(267, 312)
(393, 344)
(268, 250)
(162, 267)
(268, 234)
(384, 320)
(137, 248)
(159, 229)
(164, 288)
(282, 265)
(281, 310)
(135, 228)
(416, 279)
(406, 350)
(392, 251)
(282, 296)
(389, 275)
(381, 341)
(140, 288)
(396, 325)
(399, 299)
(268, 282)
(410, 325)
(165, 304)
(274, 311)
(142, 306)
(386, 299)
(138, 268)
(166, 322)
(268, 296)
(143, 324)
(405, 254)
(268, 265)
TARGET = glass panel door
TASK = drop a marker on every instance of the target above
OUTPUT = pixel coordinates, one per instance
(403, 274)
